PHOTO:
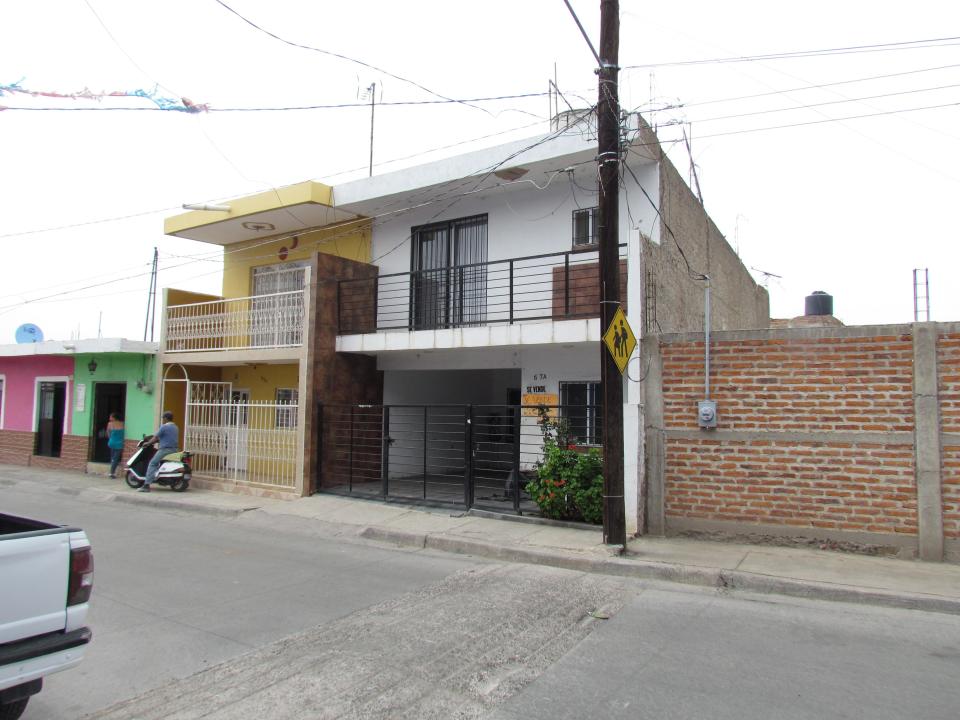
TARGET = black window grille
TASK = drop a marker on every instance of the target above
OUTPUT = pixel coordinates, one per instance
(585, 226)
(580, 405)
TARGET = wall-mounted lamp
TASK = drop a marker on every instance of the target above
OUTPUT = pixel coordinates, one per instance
(92, 366)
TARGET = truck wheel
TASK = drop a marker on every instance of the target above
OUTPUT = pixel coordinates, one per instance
(13, 710)
(134, 482)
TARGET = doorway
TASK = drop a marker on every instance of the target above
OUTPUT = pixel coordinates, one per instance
(108, 398)
(52, 408)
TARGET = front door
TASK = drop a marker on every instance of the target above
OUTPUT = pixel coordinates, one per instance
(52, 407)
(108, 398)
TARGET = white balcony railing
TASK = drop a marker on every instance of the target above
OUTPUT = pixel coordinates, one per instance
(260, 321)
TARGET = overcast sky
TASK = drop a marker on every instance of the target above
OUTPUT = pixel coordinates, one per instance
(835, 171)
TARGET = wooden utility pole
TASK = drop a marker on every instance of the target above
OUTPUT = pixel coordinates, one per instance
(608, 157)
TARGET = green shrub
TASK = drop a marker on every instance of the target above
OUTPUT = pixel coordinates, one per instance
(569, 480)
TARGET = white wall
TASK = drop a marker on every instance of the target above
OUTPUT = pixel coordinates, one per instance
(521, 221)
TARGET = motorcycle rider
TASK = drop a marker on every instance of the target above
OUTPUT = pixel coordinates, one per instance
(167, 437)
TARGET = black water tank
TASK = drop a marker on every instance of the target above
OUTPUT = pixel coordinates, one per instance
(819, 303)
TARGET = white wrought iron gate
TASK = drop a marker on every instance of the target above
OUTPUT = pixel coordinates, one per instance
(234, 438)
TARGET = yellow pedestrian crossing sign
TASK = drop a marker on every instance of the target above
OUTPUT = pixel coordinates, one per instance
(620, 340)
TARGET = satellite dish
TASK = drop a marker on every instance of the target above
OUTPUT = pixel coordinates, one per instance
(29, 333)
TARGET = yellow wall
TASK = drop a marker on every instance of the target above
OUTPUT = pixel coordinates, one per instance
(185, 297)
(350, 240)
(262, 380)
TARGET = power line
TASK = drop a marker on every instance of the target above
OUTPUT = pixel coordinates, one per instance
(287, 108)
(826, 102)
(337, 174)
(852, 49)
(827, 120)
(338, 55)
(349, 225)
(811, 87)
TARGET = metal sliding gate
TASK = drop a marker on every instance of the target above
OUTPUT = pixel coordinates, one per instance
(463, 455)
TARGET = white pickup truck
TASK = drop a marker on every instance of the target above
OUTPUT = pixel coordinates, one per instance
(46, 576)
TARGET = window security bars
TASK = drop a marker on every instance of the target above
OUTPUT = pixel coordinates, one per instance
(552, 286)
(465, 455)
(259, 321)
(243, 442)
(585, 226)
(581, 402)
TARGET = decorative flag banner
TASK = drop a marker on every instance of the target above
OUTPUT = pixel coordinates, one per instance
(162, 103)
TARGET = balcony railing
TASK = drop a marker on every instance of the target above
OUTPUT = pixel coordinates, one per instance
(261, 321)
(554, 286)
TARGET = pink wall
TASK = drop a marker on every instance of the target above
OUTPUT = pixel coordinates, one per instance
(20, 387)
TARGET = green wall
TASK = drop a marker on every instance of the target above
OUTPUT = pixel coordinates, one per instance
(129, 368)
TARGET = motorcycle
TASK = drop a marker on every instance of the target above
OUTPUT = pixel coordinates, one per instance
(174, 473)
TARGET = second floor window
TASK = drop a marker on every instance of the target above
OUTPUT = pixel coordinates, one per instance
(585, 227)
(449, 278)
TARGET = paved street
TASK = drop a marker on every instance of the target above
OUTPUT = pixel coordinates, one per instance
(176, 593)
(265, 616)
(710, 656)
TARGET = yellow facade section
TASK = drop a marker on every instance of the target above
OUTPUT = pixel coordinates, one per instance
(350, 239)
(261, 380)
(287, 196)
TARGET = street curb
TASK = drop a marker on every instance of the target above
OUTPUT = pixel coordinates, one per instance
(723, 580)
(174, 505)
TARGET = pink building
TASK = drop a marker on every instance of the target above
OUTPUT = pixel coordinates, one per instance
(35, 399)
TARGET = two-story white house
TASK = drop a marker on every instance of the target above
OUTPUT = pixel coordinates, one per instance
(478, 303)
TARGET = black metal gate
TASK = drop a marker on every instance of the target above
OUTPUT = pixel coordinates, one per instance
(461, 455)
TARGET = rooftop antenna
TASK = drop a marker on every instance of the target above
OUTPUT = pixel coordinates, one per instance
(371, 92)
(766, 276)
(151, 300)
(653, 113)
(694, 180)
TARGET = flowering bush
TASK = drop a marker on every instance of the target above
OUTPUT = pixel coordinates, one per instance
(569, 480)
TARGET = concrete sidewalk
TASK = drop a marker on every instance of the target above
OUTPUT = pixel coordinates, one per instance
(810, 573)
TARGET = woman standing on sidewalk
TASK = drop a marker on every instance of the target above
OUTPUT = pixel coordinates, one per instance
(115, 434)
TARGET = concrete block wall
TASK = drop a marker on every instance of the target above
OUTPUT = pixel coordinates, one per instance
(848, 433)
(675, 294)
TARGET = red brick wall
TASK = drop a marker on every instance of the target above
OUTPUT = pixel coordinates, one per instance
(948, 364)
(16, 448)
(813, 432)
(951, 492)
(836, 486)
(821, 385)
